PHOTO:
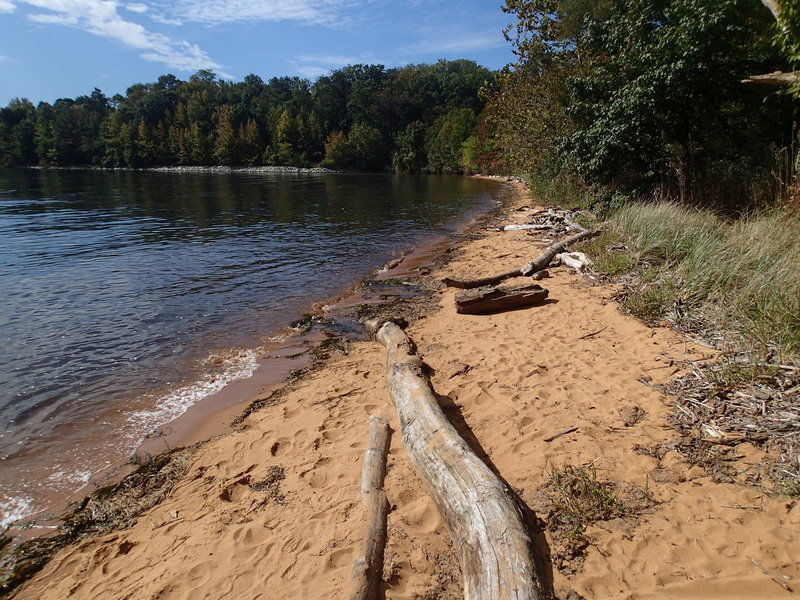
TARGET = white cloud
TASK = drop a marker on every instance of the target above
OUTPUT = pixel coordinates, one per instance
(6, 59)
(312, 72)
(465, 42)
(165, 21)
(336, 60)
(137, 8)
(318, 65)
(226, 11)
(100, 17)
(6, 6)
(54, 19)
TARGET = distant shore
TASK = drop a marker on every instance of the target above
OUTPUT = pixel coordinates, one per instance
(193, 169)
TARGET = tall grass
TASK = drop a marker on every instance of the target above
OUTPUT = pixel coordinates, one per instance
(564, 190)
(748, 268)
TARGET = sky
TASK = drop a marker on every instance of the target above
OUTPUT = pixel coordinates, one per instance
(52, 49)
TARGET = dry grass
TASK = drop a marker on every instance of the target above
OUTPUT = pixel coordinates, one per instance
(746, 272)
(737, 284)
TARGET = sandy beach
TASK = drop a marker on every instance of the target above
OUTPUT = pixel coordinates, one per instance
(272, 510)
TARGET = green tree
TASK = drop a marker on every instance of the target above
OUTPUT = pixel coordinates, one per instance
(225, 138)
(663, 106)
(445, 147)
(145, 148)
(337, 151)
(410, 155)
(368, 147)
(249, 142)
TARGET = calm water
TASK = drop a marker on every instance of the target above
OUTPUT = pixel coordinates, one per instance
(126, 297)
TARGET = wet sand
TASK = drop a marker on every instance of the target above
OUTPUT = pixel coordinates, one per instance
(272, 509)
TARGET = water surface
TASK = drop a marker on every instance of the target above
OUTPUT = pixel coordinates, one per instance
(128, 296)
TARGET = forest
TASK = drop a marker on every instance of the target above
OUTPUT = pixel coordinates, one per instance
(651, 97)
(411, 119)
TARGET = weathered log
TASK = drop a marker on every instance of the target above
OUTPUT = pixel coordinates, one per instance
(527, 227)
(545, 258)
(491, 542)
(466, 284)
(368, 568)
(775, 78)
(490, 299)
(538, 264)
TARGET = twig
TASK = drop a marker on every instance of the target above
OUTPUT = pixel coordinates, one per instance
(740, 507)
(647, 383)
(588, 335)
(560, 433)
(686, 411)
(776, 577)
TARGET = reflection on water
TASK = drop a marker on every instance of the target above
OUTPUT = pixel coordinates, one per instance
(117, 287)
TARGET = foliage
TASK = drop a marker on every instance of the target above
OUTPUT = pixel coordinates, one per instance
(360, 116)
(663, 105)
(337, 152)
(652, 302)
(448, 136)
(574, 499)
(788, 36)
(644, 97)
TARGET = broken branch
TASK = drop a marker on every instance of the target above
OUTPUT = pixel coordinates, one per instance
(368, 567)
(538, 264)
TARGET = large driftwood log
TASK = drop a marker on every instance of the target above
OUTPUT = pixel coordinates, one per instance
(490, 299)
(487, 529)
(368, 568)
(537, 264)
(775, 78)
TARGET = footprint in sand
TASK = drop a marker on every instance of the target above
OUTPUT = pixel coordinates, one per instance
(233, 492)
(280, 446)
(339, 558)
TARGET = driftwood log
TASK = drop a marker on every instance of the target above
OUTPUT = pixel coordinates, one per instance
(537, 264)
(368, 568)
(490, 299)
(775, 78)
(490, 539)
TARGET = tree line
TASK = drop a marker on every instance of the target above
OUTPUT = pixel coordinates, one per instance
(418, 118)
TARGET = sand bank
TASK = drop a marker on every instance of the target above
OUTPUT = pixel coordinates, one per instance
(272, 509)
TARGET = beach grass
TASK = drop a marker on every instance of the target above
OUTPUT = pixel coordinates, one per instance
(745, 272)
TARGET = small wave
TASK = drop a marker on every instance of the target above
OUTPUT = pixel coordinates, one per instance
(78, 477)
(13, 509)
(222, 369)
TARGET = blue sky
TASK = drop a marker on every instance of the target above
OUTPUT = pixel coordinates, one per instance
(52, 49)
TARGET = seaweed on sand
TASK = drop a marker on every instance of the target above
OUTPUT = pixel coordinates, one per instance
(106, 509)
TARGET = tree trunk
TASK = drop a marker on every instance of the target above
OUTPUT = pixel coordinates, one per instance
(491, 542)
(368, 568)
(489, 299)
(538, 264)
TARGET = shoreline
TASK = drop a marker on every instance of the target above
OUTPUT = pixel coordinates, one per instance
(274, 505)
(192, 169)
(290, 349)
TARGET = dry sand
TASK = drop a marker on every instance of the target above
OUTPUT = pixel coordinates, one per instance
(233, 528)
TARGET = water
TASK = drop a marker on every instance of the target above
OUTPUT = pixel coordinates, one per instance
(127, 297)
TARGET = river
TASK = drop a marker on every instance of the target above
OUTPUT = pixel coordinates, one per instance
(130, 296)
